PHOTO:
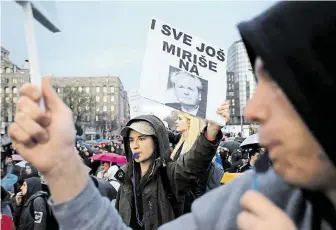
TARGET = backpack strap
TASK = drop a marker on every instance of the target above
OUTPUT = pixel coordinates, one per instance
(170, 195)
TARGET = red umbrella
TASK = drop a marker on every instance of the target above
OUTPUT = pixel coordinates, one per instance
(17, 157)
(6, 222)
(110, 157)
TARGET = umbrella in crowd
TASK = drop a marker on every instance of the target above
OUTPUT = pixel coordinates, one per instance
(250, 141)
(110, 157)
(79, 138)
(91, 142)
(22, 164)
(17, 157)
(231, 145)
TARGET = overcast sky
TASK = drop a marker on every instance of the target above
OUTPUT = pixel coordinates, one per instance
(101, 38)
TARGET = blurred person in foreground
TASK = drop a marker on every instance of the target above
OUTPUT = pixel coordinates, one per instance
(290, 46)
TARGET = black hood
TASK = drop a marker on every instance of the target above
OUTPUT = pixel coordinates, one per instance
(160, 133)
(297, 41)
(33, 186)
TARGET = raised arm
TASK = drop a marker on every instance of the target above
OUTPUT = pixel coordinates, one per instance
(186, 171)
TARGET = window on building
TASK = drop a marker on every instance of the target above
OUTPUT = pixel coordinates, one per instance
(14, 99)
(112, 108)
(97, 89)
(112, 98)
(105, 98)
(73, 89)
(7, 90)
(79, 109)
(97, 110)
(59, 90)
(7, 100)
(112, 89)
(97, 118)
(14, 90)
(80, 89)
(104, 108)
(87, 108)
(107, 80)
(88, 117)
(104, 89)
(87, 89)
(97, 99)
(14, 81)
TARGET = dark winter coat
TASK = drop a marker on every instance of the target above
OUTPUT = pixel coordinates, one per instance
(182, 176)
(24, 220)
(200, 189)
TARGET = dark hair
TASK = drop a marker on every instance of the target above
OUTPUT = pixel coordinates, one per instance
(253, 152)
(4, 193)
(236, 156)
(17, 170)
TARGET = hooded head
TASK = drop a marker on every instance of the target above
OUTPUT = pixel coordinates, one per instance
(31, 186)
(146, 126)
(291, 46)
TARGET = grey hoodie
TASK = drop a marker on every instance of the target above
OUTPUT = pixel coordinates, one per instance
(217, 209)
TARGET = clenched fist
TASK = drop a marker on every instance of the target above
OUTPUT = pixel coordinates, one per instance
(44, 138)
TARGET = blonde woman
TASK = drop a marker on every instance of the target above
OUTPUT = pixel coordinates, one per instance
(189, 128)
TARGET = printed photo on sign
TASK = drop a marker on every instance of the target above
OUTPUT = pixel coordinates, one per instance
(186, 92)
(183, 72)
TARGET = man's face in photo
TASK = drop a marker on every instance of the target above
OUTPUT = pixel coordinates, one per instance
(186, 90)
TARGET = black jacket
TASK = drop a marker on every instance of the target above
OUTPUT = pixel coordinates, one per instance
(200, 189)
(105, 188)
(32, 215)
(182, 175)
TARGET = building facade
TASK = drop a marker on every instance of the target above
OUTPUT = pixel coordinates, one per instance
(12, 78)
(240, 80)
(99, 104)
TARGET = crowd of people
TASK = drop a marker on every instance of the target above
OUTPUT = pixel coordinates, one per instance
(173, 166)
(164, 182)
(24, 192)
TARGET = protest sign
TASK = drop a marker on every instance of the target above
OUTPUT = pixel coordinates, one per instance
(143, 106)
(183, 72)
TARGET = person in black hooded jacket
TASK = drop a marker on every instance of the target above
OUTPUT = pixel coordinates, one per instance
(27, 217)
(153, 187)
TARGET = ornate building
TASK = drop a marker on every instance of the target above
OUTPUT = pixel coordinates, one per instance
(99, 104)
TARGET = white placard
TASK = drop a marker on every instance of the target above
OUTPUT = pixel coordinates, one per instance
(183, 71)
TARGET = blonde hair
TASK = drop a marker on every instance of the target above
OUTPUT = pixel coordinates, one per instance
(196, 125)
